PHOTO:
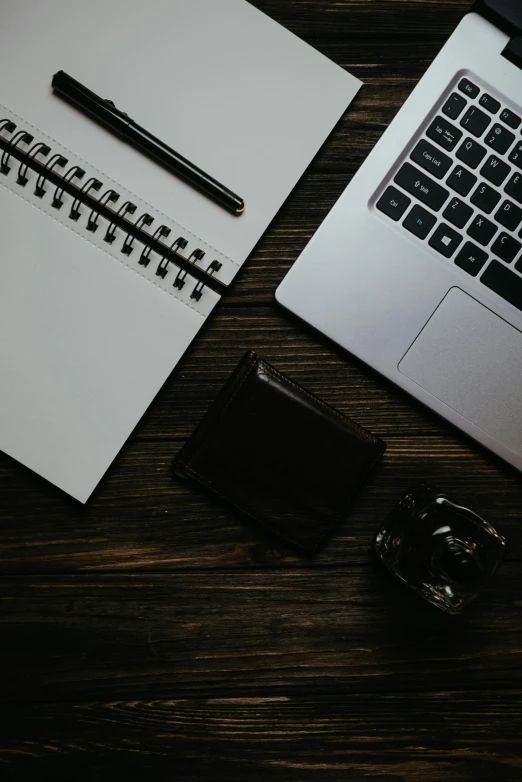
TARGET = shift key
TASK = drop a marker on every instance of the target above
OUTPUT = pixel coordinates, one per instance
(421, 186)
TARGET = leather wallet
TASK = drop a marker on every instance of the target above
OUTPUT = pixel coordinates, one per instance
(279, 454)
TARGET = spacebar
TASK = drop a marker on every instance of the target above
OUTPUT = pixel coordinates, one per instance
(504, 282)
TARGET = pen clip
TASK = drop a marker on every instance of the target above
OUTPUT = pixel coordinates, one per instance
(111, 103)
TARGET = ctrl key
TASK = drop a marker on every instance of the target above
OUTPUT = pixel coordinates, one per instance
(471, 258)
(393, 203)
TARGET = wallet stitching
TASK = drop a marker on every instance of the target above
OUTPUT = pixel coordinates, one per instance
(251, 366)
(247, 375)
(335, 515)
(367, 434)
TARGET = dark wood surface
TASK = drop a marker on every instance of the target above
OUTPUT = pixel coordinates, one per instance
(152, 635)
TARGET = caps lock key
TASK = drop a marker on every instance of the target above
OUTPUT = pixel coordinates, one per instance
(431, 159)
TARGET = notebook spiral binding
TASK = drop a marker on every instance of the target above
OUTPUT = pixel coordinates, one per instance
(38, 157)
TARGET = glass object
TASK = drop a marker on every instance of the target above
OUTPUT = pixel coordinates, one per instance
(441, 550)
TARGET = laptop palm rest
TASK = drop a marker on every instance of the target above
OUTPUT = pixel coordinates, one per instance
(470, 359)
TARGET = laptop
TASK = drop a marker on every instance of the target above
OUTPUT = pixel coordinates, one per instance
(417, 270)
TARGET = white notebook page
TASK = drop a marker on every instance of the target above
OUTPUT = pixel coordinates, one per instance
(88, 338)
(86, 344)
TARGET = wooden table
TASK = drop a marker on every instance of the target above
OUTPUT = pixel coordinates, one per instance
(152, 634)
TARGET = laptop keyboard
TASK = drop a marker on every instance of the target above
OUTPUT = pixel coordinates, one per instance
(460, 190)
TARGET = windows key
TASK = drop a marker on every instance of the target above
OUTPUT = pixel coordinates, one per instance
(445, 240)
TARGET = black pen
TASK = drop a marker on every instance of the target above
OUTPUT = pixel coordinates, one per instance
(105, 113)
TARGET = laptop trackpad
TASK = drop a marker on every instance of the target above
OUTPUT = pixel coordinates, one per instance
(471, 360)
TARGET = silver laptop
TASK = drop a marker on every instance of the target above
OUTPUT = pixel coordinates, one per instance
(418, 268)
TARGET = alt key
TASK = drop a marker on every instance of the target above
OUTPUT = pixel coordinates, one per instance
(471, 258)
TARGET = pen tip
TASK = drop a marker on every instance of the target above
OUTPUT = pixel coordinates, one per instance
(241, 208)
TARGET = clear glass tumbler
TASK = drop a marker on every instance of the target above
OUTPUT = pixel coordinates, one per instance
(441, 550)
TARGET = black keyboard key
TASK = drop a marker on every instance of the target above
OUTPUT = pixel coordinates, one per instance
(471, 258)
(489, 103)
(485, 198)
(457, 212)
(475, 121)
(393, 203)
(454, 106)
(506, 247)
(511, 119)
(421, 186)
(445, 240)
(514, 187)
(431, 159)
(499, 139)
(444, 133)
(509, 215)
(495, 170)
(468, 88)
(461, 180)
(503, 281)
(516, 155)
(471, 153)
(419, 222)
(482, 230)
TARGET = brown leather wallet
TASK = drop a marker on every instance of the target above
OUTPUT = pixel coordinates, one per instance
(279, 454)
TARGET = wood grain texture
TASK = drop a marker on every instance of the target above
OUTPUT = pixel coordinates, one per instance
(153, 632)
(334, 630)
(435, 737)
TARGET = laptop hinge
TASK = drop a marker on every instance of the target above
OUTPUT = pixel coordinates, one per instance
(506, 14)
(513, 51)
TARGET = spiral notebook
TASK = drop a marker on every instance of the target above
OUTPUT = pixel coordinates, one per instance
(109, 264)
